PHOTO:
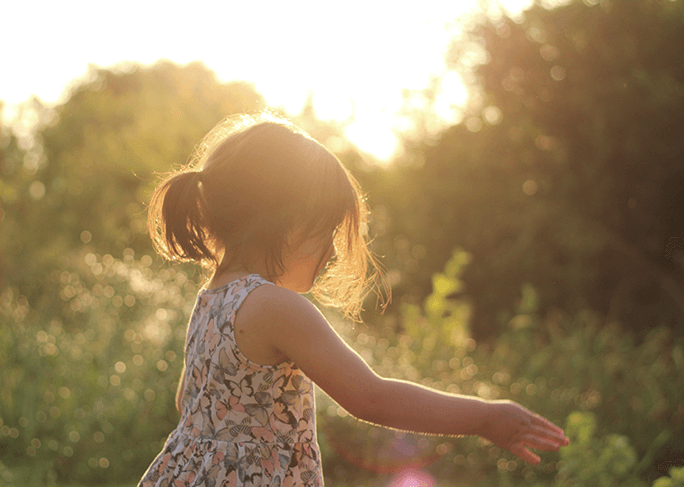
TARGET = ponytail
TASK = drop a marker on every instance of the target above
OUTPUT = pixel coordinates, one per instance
(176, 220)
(262, 179)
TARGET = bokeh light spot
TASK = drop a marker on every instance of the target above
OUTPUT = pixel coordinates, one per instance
(558, 73)
(530, 187)
(37, 190)
(473, 124)
(492, 115)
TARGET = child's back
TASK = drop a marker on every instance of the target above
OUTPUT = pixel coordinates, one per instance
(241, 423)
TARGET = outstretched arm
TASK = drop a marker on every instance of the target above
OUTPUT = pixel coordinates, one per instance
(296, 328)
(408, 406)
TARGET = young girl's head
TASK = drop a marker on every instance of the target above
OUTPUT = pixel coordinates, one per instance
(257, 190)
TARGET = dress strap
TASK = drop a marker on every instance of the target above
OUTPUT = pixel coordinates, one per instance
(240, 293)
(233, 297)
(249, 283)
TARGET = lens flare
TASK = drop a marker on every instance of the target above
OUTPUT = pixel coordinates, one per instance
(390, 456)
(412, 478)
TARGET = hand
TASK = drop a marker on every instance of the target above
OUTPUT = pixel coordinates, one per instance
(512, 427)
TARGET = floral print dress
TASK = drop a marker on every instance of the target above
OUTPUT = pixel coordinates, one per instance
(242, 424)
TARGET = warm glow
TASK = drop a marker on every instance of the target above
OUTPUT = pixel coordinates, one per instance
(412, 478)
(355, 60)
(371, 134)
(452, 98)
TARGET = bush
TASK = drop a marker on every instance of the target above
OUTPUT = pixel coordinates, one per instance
(676, 479)
(589, 461)
(90, 370)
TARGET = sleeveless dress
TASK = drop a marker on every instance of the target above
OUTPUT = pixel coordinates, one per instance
(242, 424)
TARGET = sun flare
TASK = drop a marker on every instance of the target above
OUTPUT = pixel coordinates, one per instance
(357, 62)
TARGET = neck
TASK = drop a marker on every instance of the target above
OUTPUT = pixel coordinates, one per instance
(226, 273)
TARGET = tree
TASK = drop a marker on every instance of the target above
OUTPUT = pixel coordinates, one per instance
(95, 158)
(568, 174)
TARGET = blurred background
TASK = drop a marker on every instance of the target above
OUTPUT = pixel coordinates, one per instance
(525, 167)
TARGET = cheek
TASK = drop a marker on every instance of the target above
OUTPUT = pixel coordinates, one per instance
(329, 254)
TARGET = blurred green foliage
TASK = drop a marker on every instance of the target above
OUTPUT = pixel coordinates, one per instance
(620, 401)
(675, 479)
(612, 458)
(567, 172)
(88, 379)
(87, 172)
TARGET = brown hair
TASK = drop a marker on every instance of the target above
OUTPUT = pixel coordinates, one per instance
(252, 181)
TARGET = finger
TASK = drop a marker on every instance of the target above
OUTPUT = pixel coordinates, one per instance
(546, 433)
(520, 451)
(539, 443)
(543, 422)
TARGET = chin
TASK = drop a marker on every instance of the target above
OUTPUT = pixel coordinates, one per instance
(305, 289)
(299, 284)
(301, 288)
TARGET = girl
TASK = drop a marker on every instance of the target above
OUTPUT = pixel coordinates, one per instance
(274, 214)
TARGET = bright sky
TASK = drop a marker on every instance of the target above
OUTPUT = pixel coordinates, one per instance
(357, 53)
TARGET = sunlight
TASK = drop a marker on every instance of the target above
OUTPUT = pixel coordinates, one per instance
(355, 66)
(514, 7)
(330, 104)
(452, 98)
(370, 134)
(412, 478)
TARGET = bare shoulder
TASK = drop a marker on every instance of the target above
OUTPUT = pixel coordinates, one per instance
(278, 314)
(274, 302)
(269, 317)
